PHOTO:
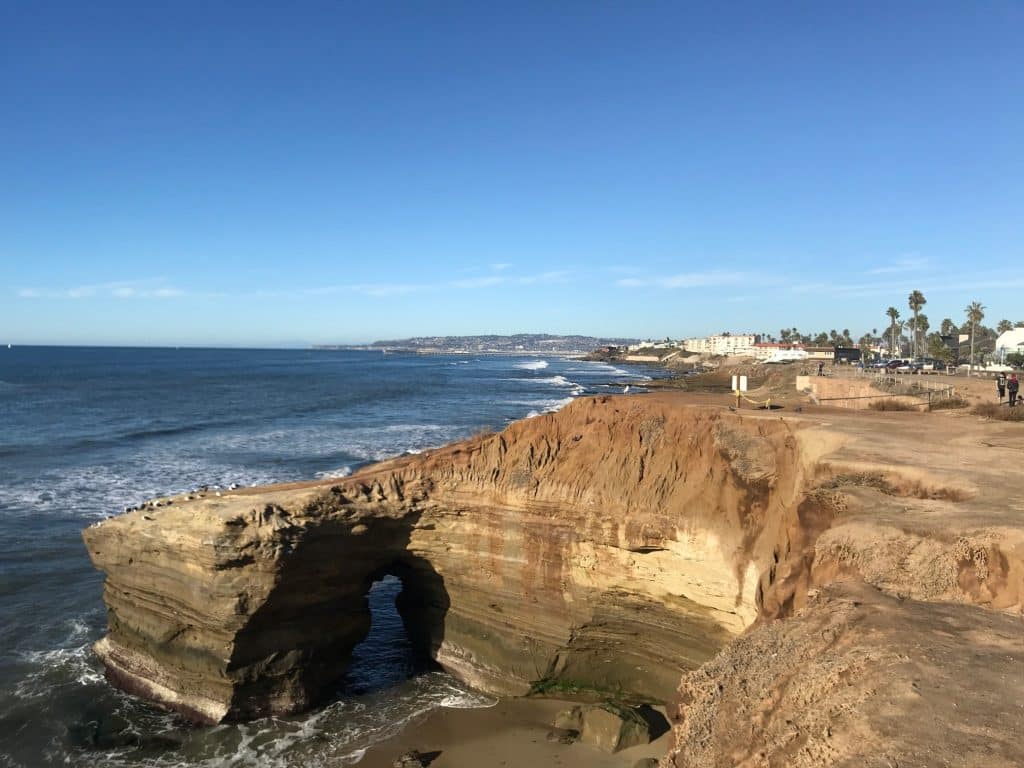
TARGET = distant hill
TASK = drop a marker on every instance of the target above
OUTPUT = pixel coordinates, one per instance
(516, 343)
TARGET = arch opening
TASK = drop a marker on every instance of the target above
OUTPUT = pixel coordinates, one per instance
(406, 604)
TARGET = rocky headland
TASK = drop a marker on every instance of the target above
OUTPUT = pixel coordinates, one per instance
(827, 589)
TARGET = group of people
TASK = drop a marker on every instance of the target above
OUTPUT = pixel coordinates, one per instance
(1009, 387)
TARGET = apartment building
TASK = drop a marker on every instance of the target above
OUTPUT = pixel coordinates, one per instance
(727, 344)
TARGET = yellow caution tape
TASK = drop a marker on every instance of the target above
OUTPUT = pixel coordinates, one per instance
(739, 395)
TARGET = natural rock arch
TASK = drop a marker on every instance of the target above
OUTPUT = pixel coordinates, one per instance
(610, 546)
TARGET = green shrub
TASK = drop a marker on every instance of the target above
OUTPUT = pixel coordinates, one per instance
(555, 686)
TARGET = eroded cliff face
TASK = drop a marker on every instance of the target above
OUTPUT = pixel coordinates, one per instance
(635, 545)
(613, 545)
(859, 678)
(906, 647)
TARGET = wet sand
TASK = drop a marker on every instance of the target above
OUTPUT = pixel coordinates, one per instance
(511, 734)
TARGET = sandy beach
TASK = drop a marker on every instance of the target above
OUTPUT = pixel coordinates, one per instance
(513, 734)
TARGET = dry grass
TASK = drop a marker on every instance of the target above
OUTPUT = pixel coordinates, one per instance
(891, 404)
(949, 403)
(893, 485)
(999, 411)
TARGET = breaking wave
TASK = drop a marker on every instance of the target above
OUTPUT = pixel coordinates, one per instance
(84, 449)
(333, 473)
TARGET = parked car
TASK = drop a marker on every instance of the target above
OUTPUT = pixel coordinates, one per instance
(932, 365)
(909, 366)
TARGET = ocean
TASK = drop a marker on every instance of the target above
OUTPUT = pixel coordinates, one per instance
(86, 432)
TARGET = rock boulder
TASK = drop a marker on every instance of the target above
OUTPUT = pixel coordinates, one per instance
(612, 728)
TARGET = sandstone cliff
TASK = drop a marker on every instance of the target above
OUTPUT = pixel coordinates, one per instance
(618, 545)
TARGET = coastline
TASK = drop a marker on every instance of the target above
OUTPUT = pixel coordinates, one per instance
(514, 733)
(854, 492)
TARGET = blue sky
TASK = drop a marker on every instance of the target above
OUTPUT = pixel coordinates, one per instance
(268, 173)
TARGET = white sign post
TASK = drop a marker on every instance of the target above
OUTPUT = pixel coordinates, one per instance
(739, 384)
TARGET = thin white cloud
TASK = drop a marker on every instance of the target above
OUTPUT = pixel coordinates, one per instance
(501, 266)
(906, 264)
(489, 281)
(554, 276)
(897, 286)
(479, 282)
(120, 289)
(981, 282)
(387, 289)
(687, 280)
(384, 290)
(157, 288)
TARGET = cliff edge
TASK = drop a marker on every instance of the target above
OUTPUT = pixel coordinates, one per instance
(793, 573)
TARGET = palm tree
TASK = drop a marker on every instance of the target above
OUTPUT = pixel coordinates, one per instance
(975, 312)
(915, 301)
(1004, 326)
(921, 326)
(894, 315)
(864, 344)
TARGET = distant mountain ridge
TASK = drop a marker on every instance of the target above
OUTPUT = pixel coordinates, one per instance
(518, 342)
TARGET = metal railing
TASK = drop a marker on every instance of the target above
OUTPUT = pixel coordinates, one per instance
(908, 385)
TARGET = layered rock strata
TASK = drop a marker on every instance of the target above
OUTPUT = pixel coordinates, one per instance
(612, 546)
(621, 545)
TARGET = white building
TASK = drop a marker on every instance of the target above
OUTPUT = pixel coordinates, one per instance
(764, 350)
(1009, 342)
(652, 345)
(727, 344)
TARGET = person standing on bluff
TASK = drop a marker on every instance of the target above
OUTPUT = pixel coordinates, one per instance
(1001, 386)
(1013, 386)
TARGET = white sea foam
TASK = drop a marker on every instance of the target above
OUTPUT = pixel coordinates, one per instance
(334, 473)
(50, 671)
(547, 405)
(533, 365)
(338, 734)
(575, 388)
(78, 630)
(600, 367)
(100, 490)
(371, 443)
(560, 404)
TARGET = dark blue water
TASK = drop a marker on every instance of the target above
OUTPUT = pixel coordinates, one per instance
(87, 432)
